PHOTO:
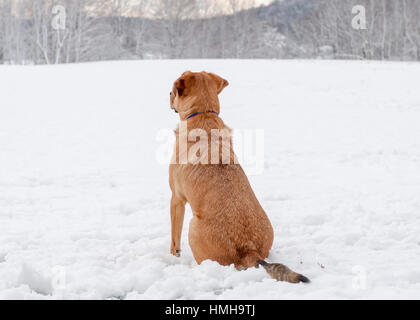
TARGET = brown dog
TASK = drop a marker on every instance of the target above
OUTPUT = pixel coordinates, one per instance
(229, 225)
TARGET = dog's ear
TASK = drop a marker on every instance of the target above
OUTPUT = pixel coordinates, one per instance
(180, 86)
(182, 83)
(220, 82)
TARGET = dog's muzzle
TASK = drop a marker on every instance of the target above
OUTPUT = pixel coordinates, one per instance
(172, 107)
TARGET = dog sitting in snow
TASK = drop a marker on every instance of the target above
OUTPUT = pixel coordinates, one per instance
(229, 225)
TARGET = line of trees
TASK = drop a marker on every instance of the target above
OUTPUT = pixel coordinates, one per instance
(96, 30)
(392, 29)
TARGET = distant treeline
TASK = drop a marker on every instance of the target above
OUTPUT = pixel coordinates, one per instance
(96, 30)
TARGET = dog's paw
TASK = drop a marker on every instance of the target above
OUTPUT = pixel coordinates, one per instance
(176, 252)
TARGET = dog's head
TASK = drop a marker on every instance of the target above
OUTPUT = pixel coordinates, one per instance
(197, 92)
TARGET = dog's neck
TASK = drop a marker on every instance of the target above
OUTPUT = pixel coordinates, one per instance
(192, 108)
(204, 120)
(198, 113)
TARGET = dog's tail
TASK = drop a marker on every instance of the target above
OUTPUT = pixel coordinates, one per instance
(282, 273)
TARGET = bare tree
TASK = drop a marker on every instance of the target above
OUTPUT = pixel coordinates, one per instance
(177, 34)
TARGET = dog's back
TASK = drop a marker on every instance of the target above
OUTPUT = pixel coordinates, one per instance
(229, 223)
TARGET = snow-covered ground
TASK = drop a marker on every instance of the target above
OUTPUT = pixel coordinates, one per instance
(84, 204)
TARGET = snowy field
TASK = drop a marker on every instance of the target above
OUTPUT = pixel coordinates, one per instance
(84, 204)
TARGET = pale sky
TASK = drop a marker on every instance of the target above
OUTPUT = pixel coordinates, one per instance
(251, 2)
(216, 6)
(264, 1)
(223, 6)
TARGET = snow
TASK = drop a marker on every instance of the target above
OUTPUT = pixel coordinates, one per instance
(84, 203)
